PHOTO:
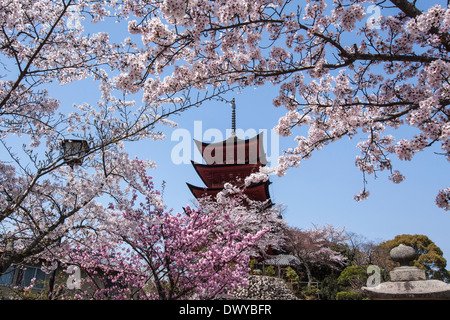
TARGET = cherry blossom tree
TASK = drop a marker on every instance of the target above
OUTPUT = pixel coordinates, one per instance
(249, 217)
(43, 195)
(47, 200)
(340, 72)
(40, 197)
(148, 252)
(314, 247)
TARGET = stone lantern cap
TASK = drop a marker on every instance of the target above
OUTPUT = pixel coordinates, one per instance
(404, 255)
(408, 282)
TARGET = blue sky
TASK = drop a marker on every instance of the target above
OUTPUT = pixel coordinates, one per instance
(321, 189)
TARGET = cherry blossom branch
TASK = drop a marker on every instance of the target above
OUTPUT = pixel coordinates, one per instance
(39, 48)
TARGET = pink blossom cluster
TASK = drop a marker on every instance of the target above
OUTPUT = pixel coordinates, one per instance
(337, 77)
(149, 253)
(443, 199)
(346, 17)
(314, 246)
(250, 217)
(397, 177)
(433, 18)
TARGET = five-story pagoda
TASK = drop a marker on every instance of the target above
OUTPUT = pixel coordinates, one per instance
(231, 161)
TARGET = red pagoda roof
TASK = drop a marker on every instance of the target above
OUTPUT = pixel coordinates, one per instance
(257, 192)
(231, 161)
(234, 151)
(215, 176)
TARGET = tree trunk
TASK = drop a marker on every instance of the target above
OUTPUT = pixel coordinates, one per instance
(309, 275)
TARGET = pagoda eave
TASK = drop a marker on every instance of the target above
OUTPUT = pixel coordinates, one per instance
(217, 175)
(256, 192)
(233, 151)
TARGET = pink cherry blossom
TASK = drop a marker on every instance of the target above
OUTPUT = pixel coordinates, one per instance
(338, 75)
(150, 253)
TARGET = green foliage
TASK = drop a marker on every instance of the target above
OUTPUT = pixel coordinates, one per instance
(311, 293)
(253, 268)
(346, 283)
(252, 264)
(353, 276)
(350, 282)
(430, 256)
(292, 276)
(349, 295)
(21, 293)
(269, 271)
(329, 287)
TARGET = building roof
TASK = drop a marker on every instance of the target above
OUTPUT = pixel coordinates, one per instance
(282, 260)
(231, 161)
(257, 192)
(216, 176)
(233, 150)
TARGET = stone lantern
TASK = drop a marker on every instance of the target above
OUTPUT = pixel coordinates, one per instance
(408, 282)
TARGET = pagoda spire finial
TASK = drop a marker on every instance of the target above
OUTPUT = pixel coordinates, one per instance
(233, 117)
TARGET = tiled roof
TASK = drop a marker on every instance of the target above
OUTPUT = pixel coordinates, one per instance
(282, 260)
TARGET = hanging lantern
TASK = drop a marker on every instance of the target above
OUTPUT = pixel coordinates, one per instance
(74, 151)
